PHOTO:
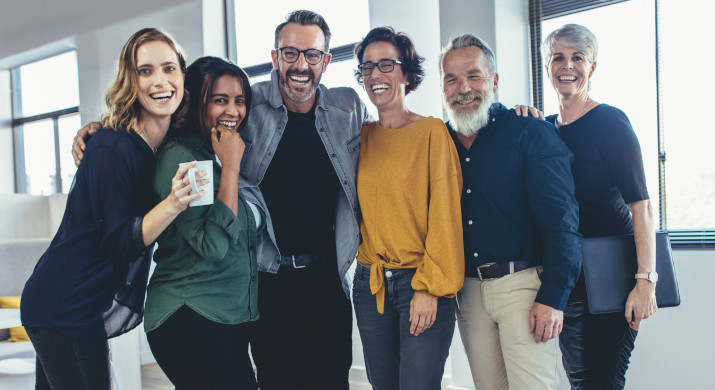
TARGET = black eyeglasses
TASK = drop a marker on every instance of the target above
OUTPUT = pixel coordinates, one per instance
(385, 65)
(290, 55)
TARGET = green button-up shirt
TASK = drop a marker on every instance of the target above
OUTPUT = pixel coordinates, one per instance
(206, 258)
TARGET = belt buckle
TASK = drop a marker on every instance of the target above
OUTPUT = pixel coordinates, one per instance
(479, 269)
(294, 265)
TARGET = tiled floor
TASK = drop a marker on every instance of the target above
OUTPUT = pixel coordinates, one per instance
(153, 378)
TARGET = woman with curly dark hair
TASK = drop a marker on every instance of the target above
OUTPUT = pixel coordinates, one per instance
(410, 260)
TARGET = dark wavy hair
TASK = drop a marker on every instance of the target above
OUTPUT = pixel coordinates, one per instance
(201, 77)
(411, 61)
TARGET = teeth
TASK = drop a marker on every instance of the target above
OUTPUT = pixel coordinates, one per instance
(567, 78)
(379, 87)
(162, 96)
(300, 79)
(227, 123)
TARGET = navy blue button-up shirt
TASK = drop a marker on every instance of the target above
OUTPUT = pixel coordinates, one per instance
(518, 201)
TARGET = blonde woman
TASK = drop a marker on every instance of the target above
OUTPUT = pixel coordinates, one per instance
(90, 283)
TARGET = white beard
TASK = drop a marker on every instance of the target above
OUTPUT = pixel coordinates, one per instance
(468, 121)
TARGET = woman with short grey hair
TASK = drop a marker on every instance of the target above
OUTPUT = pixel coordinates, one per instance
(613, 200)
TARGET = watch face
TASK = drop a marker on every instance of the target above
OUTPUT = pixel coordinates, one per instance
(653, 276)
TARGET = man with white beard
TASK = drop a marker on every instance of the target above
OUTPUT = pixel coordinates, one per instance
(520, 218)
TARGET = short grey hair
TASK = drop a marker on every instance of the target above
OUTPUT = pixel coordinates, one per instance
(573, 35)
(468, 40)
(305, 18)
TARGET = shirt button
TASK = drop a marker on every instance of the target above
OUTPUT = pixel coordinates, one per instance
(470, 222)
(469, 191)
(467, 159)
(494, 119)
(476, 254)
(388, 273)
(332, 155)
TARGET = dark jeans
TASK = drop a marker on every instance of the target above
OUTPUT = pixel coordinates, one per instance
(303, 339)
(394, 358)
(64, 362)
(596, 347)
(196, 353)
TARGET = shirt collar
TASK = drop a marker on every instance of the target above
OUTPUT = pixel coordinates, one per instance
(192, 137)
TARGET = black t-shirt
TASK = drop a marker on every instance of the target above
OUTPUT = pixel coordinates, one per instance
(607, 170)
(301, 190)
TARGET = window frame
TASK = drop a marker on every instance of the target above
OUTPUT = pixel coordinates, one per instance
(18, 133)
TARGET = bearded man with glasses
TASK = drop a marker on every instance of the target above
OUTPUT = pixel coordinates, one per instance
(302, 145)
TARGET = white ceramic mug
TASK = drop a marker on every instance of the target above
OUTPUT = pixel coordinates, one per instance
(208, 197)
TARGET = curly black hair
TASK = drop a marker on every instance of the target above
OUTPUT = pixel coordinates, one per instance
(411, 61)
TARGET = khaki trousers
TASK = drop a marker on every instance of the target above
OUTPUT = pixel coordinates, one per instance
(493, 318)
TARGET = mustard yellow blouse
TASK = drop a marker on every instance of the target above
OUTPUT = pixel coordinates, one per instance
(409, 185)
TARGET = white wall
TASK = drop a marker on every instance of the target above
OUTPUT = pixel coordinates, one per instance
(675, 349)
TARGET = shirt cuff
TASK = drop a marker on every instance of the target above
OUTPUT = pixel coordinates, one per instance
(553, 296)
(223, 216)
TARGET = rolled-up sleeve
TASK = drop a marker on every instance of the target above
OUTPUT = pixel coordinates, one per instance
(209, 230)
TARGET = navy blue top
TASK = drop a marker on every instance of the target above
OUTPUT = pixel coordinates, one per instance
(607, 170)
(518, 201)
(98, 248)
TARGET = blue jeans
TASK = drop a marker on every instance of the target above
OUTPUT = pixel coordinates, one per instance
(596, 347)
(394, 358)
(67, 363)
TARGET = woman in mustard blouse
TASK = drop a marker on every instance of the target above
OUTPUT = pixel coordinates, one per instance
(410, 261)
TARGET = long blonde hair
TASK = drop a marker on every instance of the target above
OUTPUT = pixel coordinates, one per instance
(121, 96)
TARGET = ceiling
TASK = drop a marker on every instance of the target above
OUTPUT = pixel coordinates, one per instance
(28, 24)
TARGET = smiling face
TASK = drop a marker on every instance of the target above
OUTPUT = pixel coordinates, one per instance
(468, 87)
(160, 83)
(299, 80)
(385, 90)
(226, 104)
(569, 70)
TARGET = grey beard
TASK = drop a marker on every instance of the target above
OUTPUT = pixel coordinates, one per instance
(468, 122)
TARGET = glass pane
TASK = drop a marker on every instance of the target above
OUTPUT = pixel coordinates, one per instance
(689, 136)
(48, 85)
(68, 126)
(39, 152)
(255, 36)
(625, 75)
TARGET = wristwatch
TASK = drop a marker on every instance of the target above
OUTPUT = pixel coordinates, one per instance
(649, 276)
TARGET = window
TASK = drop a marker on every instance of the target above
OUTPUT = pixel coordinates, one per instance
(255, 37)
(644, 47)
(45, 116)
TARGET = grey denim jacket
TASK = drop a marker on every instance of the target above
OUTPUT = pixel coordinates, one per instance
(339, 116)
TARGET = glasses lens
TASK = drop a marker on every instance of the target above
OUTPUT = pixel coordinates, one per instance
(386, 66)
(290, 54)
(313, 56)
(366, 68)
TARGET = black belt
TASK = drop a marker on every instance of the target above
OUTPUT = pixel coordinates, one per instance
(302, 261)
(496, 270)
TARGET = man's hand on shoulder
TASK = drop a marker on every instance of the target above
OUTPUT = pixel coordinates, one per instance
(80, 141)
(526, 111)
(545, 322)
